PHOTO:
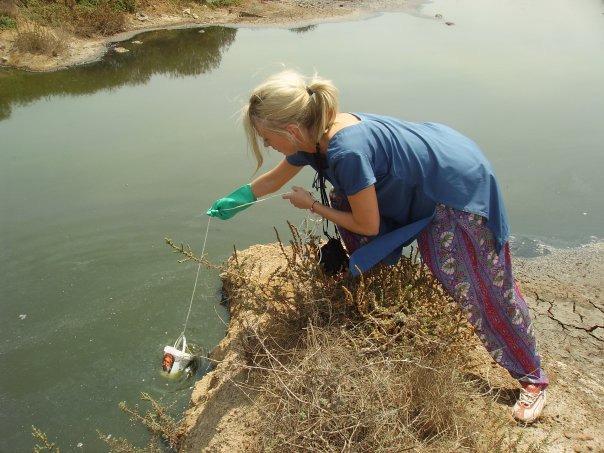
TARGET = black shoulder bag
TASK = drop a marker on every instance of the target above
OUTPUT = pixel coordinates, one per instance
(333, 257)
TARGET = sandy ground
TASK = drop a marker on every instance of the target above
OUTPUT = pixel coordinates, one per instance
(563, 290)
(277, 13)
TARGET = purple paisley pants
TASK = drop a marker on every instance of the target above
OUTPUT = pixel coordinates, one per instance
(459, 249)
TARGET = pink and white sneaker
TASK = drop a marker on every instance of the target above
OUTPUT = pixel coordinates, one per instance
(529, 406)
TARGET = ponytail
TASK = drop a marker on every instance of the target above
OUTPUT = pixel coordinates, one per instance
(287, 98)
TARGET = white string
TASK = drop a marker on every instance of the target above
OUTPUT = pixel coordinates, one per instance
(257, 201)
(203, 249)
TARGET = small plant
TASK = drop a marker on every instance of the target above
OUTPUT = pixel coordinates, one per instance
(40, 41)
(7, 22)
(44, 444)
(126, 6)
(157, 420)
(222, 3)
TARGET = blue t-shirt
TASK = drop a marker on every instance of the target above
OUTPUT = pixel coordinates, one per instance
(413, 166)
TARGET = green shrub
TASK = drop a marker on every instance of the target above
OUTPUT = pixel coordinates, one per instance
(7, 22)
(222, 3)
(125, 6)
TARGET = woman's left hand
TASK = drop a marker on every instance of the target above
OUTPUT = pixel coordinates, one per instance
(300, 198)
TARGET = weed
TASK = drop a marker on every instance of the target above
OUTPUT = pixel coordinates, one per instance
(222, 3)
(44, 444)
(7, 22)
(157, 420)
(126, 6)
(37, 40)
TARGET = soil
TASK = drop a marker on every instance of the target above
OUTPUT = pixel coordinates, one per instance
(563, 290)
(165, 15)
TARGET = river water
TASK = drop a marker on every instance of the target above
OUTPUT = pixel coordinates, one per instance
(99, 163)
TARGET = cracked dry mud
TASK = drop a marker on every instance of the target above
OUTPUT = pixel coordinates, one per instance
(563, 290)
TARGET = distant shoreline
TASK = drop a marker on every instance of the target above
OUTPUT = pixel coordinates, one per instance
(250, 13)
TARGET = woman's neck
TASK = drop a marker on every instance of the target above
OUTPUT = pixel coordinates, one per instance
(342, 121)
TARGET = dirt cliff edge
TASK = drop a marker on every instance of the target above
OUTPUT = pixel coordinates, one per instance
(563, 290)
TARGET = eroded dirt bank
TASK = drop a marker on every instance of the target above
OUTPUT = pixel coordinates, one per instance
(162, 15)
(564, 291)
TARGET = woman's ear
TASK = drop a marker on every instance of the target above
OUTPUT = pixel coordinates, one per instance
(295, 131)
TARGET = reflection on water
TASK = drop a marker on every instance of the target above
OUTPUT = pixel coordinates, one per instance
(301, 30)
(176, 53)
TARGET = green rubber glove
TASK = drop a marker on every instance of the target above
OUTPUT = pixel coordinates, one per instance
(227, 207)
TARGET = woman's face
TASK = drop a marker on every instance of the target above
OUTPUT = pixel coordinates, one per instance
(280, 142)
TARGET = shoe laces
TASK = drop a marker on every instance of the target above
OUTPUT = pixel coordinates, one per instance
(528, 398)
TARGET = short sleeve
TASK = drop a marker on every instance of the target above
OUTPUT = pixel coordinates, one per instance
(353, 173)
(299, 159)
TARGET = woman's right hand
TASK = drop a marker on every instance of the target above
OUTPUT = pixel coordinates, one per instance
(238, 200)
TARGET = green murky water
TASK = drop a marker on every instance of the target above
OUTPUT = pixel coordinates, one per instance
(99, 163)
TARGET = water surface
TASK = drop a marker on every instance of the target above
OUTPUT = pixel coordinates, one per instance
(99, 163)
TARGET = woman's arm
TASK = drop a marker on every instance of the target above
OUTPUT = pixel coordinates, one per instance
(274, 179)
(364, 218)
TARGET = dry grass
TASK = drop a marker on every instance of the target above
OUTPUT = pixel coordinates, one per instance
(103, 19)
(373, 364)
(8, 8)
(83, 18)
(39, 41)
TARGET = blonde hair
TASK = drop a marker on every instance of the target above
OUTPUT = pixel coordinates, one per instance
(288, 98)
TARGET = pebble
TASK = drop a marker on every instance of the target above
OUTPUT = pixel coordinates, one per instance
(121, 50)
(22, 316)
(202, 31)
(136, 42)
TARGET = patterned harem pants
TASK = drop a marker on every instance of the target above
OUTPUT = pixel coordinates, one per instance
(459, 249)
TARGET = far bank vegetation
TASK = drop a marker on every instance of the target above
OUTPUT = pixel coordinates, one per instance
(43, 26)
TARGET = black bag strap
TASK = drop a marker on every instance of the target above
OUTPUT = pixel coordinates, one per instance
(319, 184)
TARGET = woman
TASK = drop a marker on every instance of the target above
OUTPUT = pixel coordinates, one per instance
(395, 181)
